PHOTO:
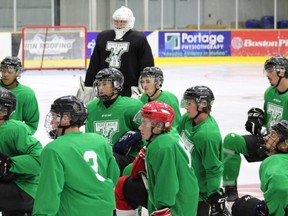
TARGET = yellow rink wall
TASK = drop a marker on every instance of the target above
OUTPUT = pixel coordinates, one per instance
(205, 60)
(160, 61)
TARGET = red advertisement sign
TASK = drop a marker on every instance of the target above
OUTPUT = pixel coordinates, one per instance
(283, 37)
(259, 43)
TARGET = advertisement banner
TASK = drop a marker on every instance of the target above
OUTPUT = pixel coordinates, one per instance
(91, 42)
(283, 43)
(153, 40)
(259, 43)
(54, 46)
(194, 43)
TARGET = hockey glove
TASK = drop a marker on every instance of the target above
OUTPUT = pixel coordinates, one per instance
(217, 202)
(126, 142)
(254, 121)
(261, 209)
(162, 212)
(5, 164)
(138, 166)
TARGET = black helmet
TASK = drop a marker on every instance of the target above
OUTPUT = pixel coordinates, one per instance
(153, 72)
(200, 94)
(7, 102)
(12, 63)
(73, 106)
(113, 75)
(281, 128)
(69, 105)
(277, 62)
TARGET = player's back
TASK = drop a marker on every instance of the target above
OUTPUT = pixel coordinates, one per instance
(27, 109)
(86, 173)
(167, 150)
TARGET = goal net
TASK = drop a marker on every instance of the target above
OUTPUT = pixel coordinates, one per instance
(54, 47)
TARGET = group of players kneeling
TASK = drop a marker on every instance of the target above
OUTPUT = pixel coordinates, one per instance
(167, 163)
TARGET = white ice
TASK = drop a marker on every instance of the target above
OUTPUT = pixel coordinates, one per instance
(237, 87)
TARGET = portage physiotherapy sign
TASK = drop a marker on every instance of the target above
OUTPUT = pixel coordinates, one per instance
(198, 43)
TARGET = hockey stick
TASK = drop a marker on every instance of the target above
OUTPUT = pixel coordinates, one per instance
(144, 179)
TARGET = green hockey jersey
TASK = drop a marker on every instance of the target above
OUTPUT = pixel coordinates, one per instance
(204, 142)
(275, 106)
(273, 183)
(17, 142)
(168, 98)
(78, 175)
(113, 122)
(171, 179)
(27, 106)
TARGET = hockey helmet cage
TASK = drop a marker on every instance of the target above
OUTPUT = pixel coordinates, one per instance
(7, 102)
(125, 14)
(158, 112)
(278, 63)
(12, 64)
(153, 72)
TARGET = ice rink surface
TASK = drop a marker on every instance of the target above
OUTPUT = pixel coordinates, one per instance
(237, 87)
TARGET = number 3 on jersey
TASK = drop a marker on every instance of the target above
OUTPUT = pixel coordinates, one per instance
(91, 155)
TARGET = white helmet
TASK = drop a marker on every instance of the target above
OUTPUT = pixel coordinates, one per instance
(123, 13)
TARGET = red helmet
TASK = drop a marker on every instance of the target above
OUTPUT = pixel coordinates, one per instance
(156, 112)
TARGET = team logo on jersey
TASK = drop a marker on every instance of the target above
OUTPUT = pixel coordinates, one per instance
(275, 113)
(107, 128)
(116, 51)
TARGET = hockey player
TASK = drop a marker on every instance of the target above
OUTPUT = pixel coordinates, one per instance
(111, 115)
(273, 176)
(275, 109)
(78, 170)
(151, 80)
(172, 184)
(203, 140)
(121, 48)
(19, 161)
(27, 106)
